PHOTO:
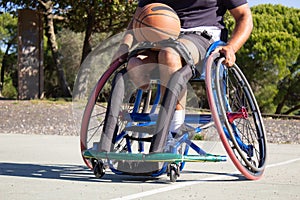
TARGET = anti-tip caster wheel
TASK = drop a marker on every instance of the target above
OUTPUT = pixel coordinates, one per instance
(173, 172)
(98, 168)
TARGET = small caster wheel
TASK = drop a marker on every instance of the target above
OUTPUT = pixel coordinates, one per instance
(173, 172)
(173, 175)
(98, 169)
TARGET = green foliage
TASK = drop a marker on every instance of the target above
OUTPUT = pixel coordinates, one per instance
(289, 88)
(198, 137)
(273, 47)
(70, 46)
(269, 54)
(92, 17)
(265, 96)
(276, 18)
(8, 58)
(9, 90)
(105, 16)
(8, 28)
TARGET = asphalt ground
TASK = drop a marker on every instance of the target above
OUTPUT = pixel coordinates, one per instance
(50, 167)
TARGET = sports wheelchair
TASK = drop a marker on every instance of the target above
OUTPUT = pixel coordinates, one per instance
(126, 129)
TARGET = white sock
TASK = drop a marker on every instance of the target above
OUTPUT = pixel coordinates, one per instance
(177, 121)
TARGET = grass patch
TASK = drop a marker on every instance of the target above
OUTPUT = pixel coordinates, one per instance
(198, 137)
(52, 101)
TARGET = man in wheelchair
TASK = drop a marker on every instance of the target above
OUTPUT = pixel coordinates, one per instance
(135, 126)
(201, 25)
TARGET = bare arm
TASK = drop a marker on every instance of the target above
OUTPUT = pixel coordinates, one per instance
(240, 35)
(128, 40)
(243, 27)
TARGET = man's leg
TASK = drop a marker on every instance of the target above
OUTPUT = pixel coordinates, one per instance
(170, 61)
(140, 67)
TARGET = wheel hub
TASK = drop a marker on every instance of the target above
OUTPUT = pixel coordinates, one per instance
(241, 114)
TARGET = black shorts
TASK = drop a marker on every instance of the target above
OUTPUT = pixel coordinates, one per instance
(202, 43)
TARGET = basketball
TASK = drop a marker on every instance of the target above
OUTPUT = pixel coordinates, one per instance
(156, 22)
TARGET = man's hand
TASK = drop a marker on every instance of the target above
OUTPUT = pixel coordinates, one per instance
(229, 54)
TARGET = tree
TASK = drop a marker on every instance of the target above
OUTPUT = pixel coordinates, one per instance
(48, 9)
(89, 16)
(50, 33)
(97, 19)
(8, 35)
(98, 16)
(288, 99)
(269, 57)
(70, 48)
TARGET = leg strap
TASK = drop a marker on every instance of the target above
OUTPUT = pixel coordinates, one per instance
(110, 127)
(176, 84)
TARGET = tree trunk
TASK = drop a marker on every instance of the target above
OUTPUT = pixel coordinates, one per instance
(280, 106)
(54, 49)
(4, 65)
(87, 46)
(292, 110)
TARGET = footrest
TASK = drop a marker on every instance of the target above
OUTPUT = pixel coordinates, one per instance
(154, 157)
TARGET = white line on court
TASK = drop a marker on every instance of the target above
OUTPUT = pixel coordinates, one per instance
(189, 183)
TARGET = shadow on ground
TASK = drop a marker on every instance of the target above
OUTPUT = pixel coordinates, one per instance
(62, 172)
(82, 173)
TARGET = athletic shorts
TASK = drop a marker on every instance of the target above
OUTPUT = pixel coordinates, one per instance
(202, 43)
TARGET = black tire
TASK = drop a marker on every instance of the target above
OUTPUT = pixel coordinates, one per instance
(173, 175)
(237, 117)
(98, 169)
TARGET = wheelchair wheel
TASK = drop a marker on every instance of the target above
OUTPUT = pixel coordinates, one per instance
(126, 108)
(237, 117)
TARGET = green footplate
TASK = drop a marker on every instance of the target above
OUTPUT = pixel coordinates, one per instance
(154, 157)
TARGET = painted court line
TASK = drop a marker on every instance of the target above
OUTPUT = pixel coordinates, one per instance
(190, 183)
